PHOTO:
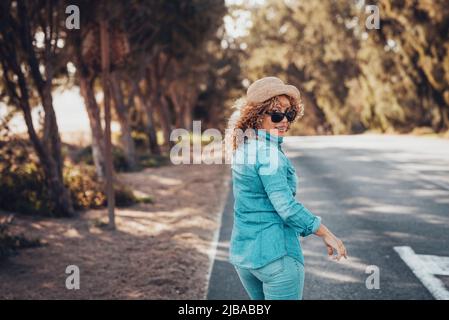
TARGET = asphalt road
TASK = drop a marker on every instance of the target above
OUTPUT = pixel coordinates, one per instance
(375, 193)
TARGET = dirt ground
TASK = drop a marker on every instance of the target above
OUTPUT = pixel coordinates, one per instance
(159, 251)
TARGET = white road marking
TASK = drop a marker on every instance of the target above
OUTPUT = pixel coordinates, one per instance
(212, 252)
(426, 267)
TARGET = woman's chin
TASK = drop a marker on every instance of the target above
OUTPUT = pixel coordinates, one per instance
(279, 132)
(276, 131)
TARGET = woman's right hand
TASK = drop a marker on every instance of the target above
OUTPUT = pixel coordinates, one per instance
(335, 247)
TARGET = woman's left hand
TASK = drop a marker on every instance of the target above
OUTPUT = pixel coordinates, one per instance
(335, 247)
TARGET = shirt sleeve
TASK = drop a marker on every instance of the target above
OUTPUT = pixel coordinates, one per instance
(272, 170)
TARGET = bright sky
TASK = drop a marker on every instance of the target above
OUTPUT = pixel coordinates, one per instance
(239, 22)
(70, 112)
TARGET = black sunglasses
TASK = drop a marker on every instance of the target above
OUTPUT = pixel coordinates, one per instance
(279, 116)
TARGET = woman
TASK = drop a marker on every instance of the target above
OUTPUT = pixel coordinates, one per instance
(268, 221)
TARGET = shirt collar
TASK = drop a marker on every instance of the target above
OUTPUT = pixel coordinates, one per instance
(262, 133)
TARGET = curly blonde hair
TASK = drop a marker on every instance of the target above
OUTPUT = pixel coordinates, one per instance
(250, 116)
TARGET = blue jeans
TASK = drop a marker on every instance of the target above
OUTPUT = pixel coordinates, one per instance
(282, 279)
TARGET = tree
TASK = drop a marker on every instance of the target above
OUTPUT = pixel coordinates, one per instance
(418, 34)
(165, 37)
(85, 52)
(352, 78)
(105, 77)
(22, 59)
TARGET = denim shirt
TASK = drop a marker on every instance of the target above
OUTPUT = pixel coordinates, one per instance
(268, 220)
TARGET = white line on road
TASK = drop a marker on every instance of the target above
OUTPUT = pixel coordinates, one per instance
(425, 267)
(213, 246)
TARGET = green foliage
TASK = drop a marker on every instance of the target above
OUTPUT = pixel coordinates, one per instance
(140, 139)
(145, 157)
(85, 190)
(84, 155)
(23, 189)
(351, 78)
(153, 161)
(22, 184)
(124, 197)
(146, 200)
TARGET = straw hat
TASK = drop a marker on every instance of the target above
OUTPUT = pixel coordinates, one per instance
(268, 87)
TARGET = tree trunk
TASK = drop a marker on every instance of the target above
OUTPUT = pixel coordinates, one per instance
(444, 120)
(189, 103)
(188, 119)
(122, 114)
(105, 66)
(165, 119)
(93, 112)
(150, 128)
(86, 78)
(53, 166)
(158, 100)
(184, 97)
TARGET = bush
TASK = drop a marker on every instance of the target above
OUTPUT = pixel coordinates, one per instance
(124, 197)
(84, 155)
(22, 184)
(153, 161)
(146, 159)
(9, 244)
(85, 190)
(140, 140)
(145, 199)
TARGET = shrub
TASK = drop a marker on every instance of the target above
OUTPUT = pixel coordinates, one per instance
(153, 161)
(140, 139)
(22, 183)
(23, 188)
(84, 155)
(9, 244)
(124, 197)
(85, 190)
(145, 199)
